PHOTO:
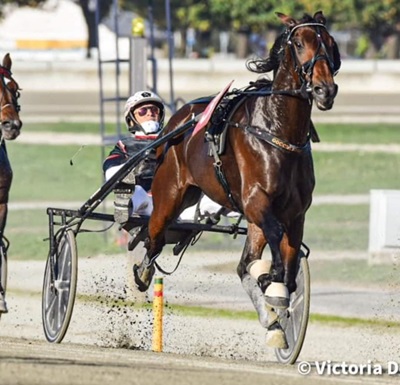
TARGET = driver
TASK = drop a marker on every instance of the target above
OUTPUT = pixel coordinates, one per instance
(144, 117)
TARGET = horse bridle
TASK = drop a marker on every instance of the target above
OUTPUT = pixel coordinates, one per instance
(306, 70)
(5, 73)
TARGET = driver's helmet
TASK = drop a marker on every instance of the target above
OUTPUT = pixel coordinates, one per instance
(142, 97)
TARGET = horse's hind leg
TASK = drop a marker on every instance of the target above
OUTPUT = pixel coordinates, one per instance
(169, 200)
(154, 243)
(253, 272)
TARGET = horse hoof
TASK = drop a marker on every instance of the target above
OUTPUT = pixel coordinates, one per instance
(276, 338)
(143, 276)
(277, 295)
(3, 306)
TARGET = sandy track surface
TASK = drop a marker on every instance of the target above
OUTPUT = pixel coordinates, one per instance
(99, 327)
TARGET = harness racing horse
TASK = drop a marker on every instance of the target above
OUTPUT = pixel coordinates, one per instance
(265, 172)
(10, 127)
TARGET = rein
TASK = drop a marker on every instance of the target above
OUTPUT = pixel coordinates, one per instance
(303, 92)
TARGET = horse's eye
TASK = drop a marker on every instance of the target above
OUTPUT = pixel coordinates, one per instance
(298, 44)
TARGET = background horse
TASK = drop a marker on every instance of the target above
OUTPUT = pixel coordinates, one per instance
(10, 126)
(266, 171)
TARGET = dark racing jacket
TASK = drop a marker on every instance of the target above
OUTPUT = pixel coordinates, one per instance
(126, 148)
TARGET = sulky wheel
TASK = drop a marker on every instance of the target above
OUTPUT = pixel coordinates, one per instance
(59, 288)
(294, 319)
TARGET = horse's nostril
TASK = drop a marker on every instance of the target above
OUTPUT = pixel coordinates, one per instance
(6, 124)
(9, 125)
(319, 90)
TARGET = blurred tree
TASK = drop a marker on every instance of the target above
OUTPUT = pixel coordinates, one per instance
(380, 20)
(19, 3)
(184, 14)
(89, 13)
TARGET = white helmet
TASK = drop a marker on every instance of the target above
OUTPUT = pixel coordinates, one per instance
(141, 97)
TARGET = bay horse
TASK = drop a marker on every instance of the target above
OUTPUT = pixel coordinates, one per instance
(266, 170)
(10, 128)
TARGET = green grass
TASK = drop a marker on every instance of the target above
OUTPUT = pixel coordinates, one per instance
(337, 227)
(355, 172)
(359, 133)
(44, 172)
(357, 272)
(28, 229)
(83, 127)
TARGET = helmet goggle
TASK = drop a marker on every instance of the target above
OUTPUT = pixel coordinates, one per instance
(142, 111)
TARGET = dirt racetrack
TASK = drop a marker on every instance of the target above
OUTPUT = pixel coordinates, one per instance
(111, 343)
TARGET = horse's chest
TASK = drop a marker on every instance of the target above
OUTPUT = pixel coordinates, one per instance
(294, 185)
(5, 168)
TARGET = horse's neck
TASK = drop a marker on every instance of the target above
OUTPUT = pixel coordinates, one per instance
(287, 117)
(3, 147)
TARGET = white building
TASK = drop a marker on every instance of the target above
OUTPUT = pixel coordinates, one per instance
(55, 31)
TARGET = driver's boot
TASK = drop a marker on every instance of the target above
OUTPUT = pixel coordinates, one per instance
(143, 274)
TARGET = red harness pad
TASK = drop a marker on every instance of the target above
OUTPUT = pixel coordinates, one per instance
(207, 113)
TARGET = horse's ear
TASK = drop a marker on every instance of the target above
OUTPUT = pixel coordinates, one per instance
(319, 17)
(287, 20)
(7, 61)
(336, 57)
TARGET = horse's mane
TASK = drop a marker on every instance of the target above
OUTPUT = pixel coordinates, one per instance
(271, 63)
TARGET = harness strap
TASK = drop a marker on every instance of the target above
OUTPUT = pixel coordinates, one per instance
(281, 144)
(219, 172)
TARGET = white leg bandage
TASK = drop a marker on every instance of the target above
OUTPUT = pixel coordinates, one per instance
(258, 267)
(277, 295)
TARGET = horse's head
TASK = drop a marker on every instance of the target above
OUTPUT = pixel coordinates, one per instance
(10, 123)
(315, 56)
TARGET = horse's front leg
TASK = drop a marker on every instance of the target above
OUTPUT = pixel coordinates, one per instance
(254, 272)
(251, 267)
(3, 258)
(290, 248)
(273, 284)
